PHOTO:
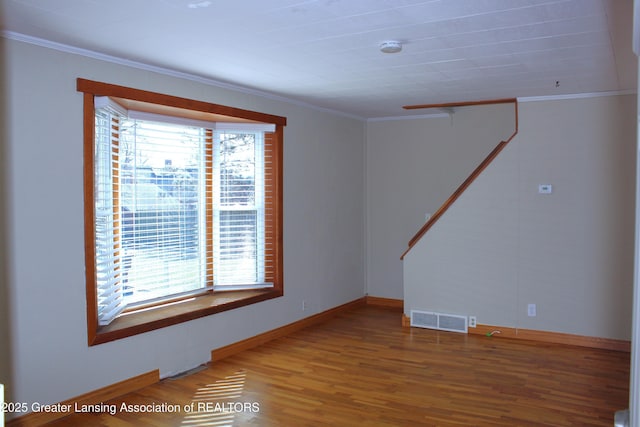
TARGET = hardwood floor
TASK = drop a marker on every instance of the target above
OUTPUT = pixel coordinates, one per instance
(363, 369)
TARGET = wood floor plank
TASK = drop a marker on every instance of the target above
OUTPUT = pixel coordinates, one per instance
(363, 369)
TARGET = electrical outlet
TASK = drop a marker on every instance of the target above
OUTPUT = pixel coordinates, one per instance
(472, 321)
(304, 305)
(531, 310)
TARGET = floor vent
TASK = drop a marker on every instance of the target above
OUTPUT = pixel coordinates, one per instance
(187, 372)
(440, 321)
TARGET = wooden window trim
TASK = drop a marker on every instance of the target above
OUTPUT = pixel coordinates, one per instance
(153, 102)
(209, 302)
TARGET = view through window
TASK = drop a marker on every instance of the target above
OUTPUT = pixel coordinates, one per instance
(182, 207)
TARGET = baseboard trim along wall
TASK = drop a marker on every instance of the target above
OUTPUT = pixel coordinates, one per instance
(544, 336)
(406, 321)
(385, 302)
(96, 397)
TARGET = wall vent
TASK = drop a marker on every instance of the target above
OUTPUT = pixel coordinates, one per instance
(440, 321)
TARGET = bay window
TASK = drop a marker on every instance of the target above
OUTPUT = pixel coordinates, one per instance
(183, 209)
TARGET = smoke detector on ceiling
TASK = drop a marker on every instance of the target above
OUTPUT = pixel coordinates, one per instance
(390, 46)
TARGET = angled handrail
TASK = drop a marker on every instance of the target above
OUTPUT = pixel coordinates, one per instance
(472, 177)
(461, 104)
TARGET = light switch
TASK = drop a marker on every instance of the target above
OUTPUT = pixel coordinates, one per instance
(545, 188)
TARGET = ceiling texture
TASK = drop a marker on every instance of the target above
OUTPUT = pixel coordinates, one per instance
(326, 52)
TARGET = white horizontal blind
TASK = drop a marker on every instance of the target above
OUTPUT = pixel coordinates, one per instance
(239, 209)
(270, 203)
(108, 268)
(162, 209)
(178, 208)
(149, 211)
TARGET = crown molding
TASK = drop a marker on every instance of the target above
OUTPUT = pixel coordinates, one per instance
(11, 35)
(575, 96)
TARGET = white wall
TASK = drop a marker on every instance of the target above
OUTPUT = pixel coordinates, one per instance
(323, 231)
(502, 245)
(413, 166)
(5, 331)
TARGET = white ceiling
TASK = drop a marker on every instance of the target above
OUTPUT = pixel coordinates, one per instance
(325, 52)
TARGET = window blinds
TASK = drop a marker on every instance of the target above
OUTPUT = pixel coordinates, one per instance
(162, 209)
(239, 229)
(179, 208)
(108, 265)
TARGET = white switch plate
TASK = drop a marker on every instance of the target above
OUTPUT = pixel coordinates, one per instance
(545, 188)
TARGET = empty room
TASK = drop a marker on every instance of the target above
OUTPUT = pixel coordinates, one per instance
(319, 212)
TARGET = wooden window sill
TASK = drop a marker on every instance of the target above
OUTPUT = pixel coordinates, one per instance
(133, 323)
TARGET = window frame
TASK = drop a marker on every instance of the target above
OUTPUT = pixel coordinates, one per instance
(209, 301)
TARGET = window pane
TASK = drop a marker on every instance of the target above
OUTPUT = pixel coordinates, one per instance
(237, 260)
(239, 225)
(160, 209)
(237, 169)
(108, 267)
